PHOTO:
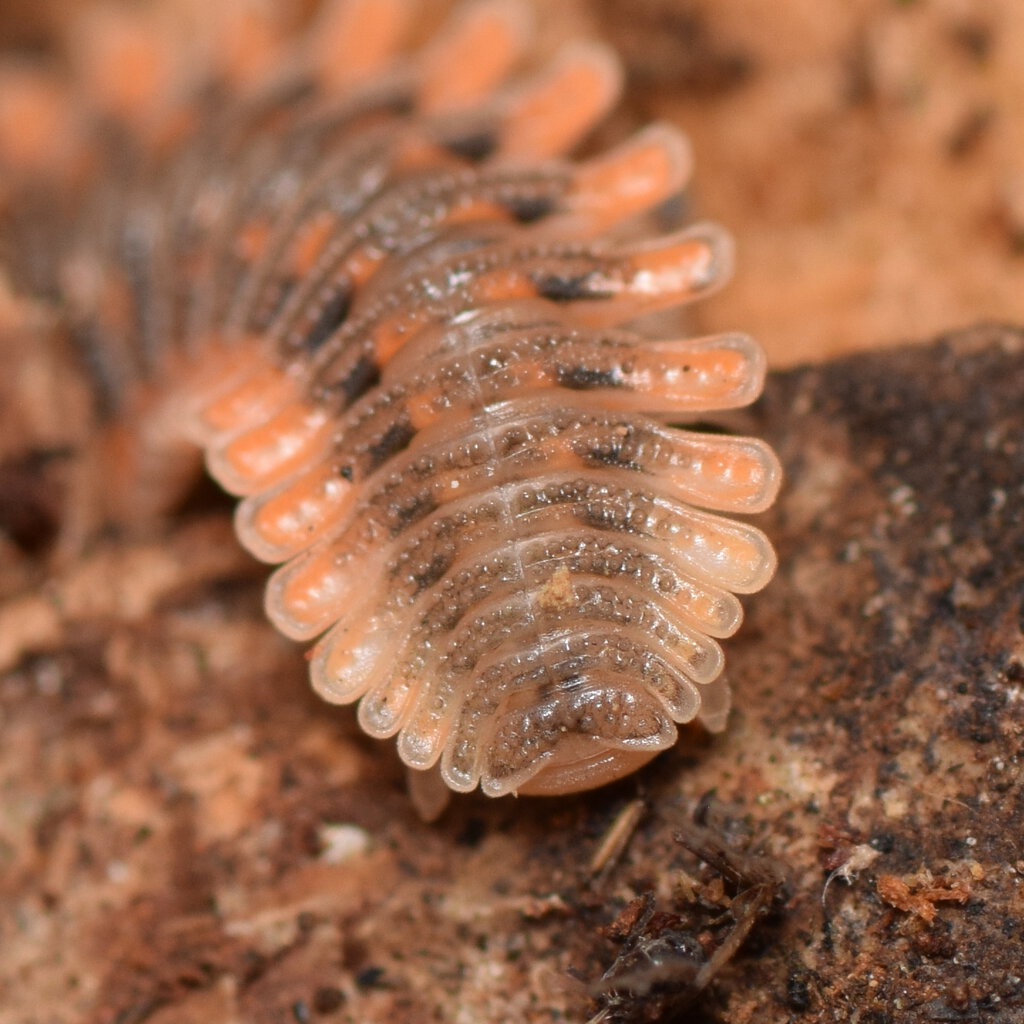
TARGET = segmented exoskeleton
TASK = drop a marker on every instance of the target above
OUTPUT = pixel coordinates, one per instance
(393, 313)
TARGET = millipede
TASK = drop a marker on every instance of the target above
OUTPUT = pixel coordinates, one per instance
(411, 335)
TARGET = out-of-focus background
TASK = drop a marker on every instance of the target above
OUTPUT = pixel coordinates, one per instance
(868, 155)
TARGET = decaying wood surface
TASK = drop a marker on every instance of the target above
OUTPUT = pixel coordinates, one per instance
(187, 834)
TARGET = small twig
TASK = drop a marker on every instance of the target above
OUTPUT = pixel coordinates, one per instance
(616, 837)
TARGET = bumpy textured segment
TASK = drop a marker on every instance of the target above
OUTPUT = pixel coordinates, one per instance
(396, 317)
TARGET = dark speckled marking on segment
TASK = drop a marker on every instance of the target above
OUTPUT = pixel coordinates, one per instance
(474, 146)
(561, 288)
(528, 209)
(433, 571)
(404, 513)
(395, 439)
(331, 317)
(363, 376)
(613, 452)
(584, 378)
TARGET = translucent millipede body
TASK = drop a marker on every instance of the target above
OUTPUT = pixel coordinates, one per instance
(399, 320)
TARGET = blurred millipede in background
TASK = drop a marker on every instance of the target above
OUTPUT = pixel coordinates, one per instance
(372, 287)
